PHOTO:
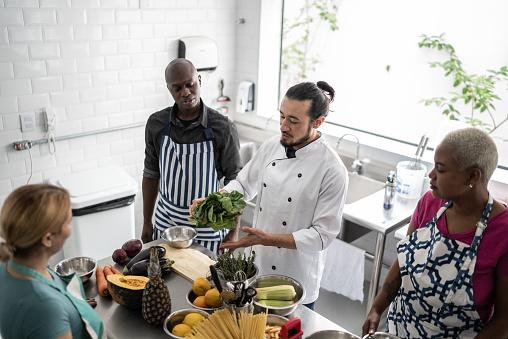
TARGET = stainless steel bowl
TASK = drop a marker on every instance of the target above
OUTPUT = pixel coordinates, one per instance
(190, 298)
(177, 317)
(276, 279)
(380, 335)
(82, 266)
(332, 334)
(250, 280)
(179, 236)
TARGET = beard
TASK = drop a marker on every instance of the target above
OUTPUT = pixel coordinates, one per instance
(299, 142)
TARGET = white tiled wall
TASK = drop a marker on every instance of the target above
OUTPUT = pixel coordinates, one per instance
(96, 64)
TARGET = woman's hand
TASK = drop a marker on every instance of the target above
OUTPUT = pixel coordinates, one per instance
(371, 323)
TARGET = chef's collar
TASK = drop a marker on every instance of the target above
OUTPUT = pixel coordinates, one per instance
(290, 152)
(204, 116)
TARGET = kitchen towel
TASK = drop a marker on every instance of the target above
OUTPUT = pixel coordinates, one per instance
(344, 270)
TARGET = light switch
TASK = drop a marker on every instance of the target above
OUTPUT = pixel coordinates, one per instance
(27, 121)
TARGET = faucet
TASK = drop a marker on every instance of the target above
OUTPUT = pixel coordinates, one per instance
(357, 166)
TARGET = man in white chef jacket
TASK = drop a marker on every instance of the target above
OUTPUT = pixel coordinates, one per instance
(301, 184)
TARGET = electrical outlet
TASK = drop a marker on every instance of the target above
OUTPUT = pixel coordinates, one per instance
(27, 121)
(49, 117)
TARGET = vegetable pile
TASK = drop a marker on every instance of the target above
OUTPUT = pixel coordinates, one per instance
(139, 264)
(219, 210)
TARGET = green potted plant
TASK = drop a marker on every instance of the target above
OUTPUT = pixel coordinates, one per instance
(473, 99)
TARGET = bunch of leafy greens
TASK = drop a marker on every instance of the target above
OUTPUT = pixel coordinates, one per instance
(219, 210)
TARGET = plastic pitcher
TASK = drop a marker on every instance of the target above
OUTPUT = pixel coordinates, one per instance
(410, 179)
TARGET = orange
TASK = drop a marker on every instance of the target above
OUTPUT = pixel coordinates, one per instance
(200, 301)
(200, 285)
(212, 297)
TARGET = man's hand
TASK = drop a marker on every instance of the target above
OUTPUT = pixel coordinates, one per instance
(147, 232)
(253, 237)
(195, 204)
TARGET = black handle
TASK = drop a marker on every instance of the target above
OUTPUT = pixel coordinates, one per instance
(215, 278)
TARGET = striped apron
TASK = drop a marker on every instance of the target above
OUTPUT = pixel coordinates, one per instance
(435, 299)
(187, 171)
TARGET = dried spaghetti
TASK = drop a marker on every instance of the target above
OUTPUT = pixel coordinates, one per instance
(225, 324)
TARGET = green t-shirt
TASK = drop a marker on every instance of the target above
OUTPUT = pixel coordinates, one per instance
(31, 309)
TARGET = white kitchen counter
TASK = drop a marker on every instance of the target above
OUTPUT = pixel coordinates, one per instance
(369, 212)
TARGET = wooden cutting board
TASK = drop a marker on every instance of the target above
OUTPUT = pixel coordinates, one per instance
(189, 263)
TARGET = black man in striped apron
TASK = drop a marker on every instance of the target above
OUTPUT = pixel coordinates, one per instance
(189, 148)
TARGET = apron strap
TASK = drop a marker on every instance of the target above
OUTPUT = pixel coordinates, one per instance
(207, 131)
(481, 226)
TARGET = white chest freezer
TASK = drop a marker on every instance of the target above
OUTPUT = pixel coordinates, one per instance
(102, 203)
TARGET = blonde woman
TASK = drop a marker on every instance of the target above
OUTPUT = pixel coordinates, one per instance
(34, 224)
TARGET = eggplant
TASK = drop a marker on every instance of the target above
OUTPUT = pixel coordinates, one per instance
(144, 254)
(141, 267)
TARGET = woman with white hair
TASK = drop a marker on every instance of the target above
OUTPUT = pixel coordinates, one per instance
(450, 279)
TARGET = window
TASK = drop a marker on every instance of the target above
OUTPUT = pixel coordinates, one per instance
(368, 51)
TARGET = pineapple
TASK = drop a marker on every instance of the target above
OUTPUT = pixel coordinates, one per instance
(156, 302)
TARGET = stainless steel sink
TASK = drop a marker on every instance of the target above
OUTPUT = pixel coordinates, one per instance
(361, 186)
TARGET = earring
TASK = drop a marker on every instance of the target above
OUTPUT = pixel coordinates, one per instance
(470, 186)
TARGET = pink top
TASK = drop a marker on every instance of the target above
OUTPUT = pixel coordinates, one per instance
(492, 256)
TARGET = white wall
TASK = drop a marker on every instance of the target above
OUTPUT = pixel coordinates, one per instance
(97, 64)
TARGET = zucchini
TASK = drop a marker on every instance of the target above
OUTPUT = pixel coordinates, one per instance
(278, 292)
(276, 303)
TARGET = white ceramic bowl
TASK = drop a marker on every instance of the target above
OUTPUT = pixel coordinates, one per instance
(82, 266)
(177, 317)
(179, 236)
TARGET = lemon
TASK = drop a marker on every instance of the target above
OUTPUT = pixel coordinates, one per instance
(212, 298)
(200, 286)
(181, 330)
(192, 319)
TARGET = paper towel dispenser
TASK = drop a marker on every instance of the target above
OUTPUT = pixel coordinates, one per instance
(245, 97)
(200, 50)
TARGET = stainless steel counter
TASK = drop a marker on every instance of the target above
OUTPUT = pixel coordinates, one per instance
(123, 323)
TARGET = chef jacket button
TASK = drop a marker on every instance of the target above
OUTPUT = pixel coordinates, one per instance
(299, 175)
(260, 209)
(289, 199)
(273, 163)
(264, 185)
(284, 223)
(274, 268)
(278, 246)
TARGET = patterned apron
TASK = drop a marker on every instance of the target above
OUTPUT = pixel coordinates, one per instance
(187, 171)
(435, 299)
(74, 292)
